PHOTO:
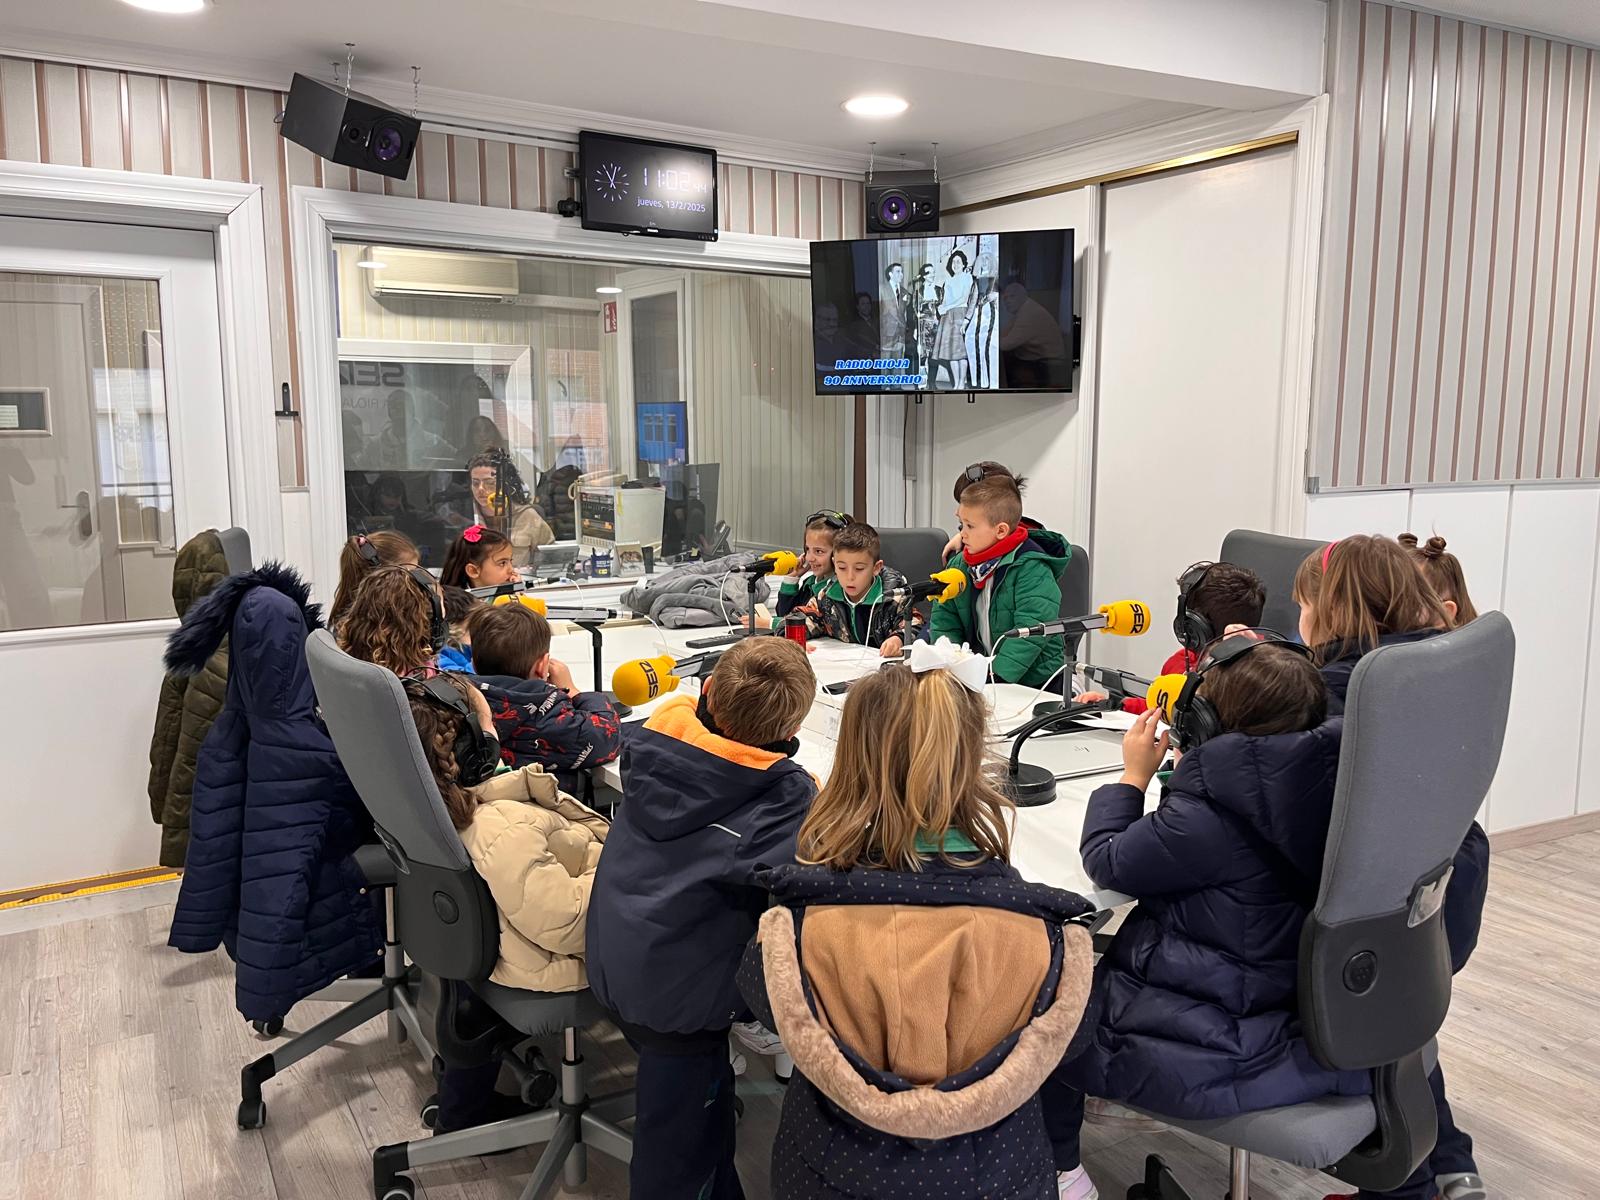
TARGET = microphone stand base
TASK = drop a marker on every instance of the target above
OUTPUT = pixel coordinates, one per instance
(1031, 785)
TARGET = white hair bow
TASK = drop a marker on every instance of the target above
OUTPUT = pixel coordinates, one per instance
(972, 670)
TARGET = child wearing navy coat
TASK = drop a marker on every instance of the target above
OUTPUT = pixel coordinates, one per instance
(1356, 595)
(1197, 1001)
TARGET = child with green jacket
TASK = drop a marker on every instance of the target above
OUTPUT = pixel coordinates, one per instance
(1013, 575)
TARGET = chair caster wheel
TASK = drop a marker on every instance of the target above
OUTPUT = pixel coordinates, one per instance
(252, 1114)
(270, 1028)
(401, 1189)
(430, 1112)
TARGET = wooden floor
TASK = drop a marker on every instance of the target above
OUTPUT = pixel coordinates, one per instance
(119, 1072)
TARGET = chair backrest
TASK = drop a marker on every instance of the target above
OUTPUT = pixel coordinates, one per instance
(236, 550)
(1076, 596)
(1423, 727)
(915, 553)
(448, 919)
(1275, 559)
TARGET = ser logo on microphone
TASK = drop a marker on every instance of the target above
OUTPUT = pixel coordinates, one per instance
(652, 680)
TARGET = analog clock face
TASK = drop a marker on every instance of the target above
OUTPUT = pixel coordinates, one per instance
(610, 182)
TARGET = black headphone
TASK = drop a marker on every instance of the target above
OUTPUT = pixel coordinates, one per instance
(1191, 629)
(1194, 719)
(833, 520)
(477, 752)
(438, 623)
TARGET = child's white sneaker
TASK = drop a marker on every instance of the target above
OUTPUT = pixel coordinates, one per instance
(1076, 1185)
(736, 1061)
(1461, 1187)
(758, 1039)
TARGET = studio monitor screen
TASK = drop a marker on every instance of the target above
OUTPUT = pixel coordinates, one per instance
(631, 185)
(989, 312)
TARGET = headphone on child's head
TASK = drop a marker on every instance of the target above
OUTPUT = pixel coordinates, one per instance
(438, 623)
(1194, 718)
(829, 517)
(476, 751)
(974, 473)
(1192, 630)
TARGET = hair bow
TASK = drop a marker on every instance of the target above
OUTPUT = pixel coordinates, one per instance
(472, 533)
(971, 670)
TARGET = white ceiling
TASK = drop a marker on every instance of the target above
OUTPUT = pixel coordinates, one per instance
(701, 68)
(1570, 20)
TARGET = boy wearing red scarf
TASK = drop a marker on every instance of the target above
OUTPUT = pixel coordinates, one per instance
(1013, 573)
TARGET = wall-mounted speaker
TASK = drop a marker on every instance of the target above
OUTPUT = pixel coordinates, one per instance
(348, 128)
(903, 202)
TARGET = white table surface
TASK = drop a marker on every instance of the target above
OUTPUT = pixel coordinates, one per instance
(1045, 845)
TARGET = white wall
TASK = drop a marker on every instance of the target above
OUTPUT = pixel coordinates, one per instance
(1533, 553)
(1039, 436)
(94, 818)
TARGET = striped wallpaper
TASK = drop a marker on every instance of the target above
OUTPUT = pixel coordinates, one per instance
(82, 116)
(1457, 330)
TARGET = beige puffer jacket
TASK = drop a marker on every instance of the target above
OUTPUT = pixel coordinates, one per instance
(537, 849)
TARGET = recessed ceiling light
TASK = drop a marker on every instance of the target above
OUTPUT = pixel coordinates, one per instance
(371, 264)
(169, 6)
(875, 106)
(609, 291)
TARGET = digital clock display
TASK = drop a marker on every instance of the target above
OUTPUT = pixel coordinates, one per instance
(631, 185)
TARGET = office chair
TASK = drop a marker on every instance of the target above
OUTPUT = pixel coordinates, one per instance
(1423, 728)
(1076, 596)
(1275, 559)
(915, 553)
(236, 550)
(450, 929)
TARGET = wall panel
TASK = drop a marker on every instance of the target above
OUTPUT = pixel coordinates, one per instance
(1456, 328)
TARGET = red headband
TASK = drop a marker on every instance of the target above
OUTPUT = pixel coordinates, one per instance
(472, 533)
(1327, 550)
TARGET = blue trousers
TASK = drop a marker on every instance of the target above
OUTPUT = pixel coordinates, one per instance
(683, 1133)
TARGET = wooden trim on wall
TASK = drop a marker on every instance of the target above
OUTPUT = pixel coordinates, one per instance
(1545, 831)
(858, 489)
(1285, 138)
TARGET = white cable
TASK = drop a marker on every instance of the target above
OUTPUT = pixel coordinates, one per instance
(1033, 699)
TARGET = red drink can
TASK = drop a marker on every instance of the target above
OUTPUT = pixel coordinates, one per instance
(794, 628)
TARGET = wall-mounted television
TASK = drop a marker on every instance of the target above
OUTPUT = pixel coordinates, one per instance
(967, 312)
(631, 185)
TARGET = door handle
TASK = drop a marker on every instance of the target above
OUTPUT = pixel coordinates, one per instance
(85, 516)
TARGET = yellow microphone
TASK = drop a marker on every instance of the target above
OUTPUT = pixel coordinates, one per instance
(534, 602)
(641, 680)
(778, 562)
(1164, 692)
(942, 586)
(954, 580)
(1126, 618)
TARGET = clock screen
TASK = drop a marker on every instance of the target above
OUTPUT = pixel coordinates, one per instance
(635, 186)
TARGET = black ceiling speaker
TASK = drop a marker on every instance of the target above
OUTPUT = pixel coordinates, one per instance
(348, 128)
(902, 202)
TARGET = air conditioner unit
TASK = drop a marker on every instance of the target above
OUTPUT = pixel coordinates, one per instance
(441, 273)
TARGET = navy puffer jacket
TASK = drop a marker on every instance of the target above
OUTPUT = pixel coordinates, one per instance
(1199, 1016)
(275, 819)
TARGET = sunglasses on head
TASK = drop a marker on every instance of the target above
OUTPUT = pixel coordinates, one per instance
(833, 520)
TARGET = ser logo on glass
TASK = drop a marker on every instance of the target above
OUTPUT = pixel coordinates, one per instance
(611, 182)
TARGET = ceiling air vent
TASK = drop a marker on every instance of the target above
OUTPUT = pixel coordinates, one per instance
(441, 273)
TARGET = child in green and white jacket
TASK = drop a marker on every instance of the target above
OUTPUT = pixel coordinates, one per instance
(816, 564)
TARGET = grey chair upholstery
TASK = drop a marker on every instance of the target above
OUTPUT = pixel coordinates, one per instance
(236, 550)
(449, 927)
(1275, 558)
(915, 553)
(1423, 728)
(1076, 596)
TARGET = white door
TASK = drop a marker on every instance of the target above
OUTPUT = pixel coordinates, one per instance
(1190, 396)
(654, 369)
(112, 453)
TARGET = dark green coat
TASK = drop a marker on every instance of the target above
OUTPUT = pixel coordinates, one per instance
(1027, 591)
(188, 704)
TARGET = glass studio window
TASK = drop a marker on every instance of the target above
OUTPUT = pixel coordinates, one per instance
(494, 389)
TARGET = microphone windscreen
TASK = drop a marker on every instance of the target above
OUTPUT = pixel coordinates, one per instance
(954, 580)
(643, 679)
(783, 562)
(534, 602)
(1163, 693)
(1126, 618)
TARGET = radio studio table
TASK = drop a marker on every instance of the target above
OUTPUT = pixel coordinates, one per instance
(1045, 846)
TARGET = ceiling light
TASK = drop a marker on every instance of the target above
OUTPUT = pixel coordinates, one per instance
(371, 264)
(169, 6)
(875, 106)
(609, 291)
